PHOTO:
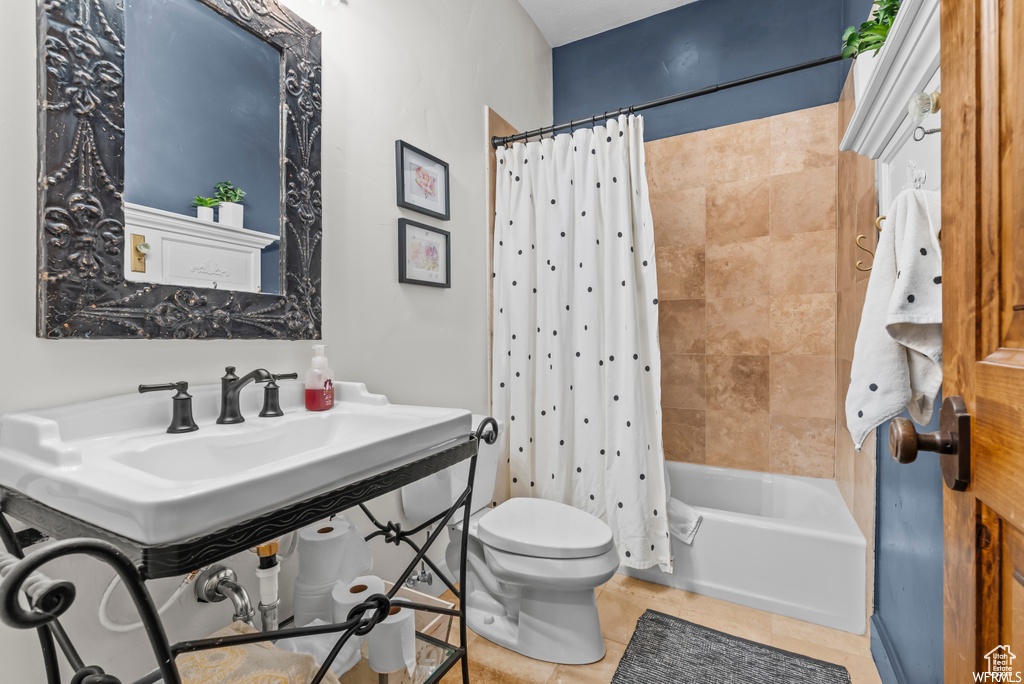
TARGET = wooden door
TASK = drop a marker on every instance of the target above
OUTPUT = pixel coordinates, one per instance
(983, 330)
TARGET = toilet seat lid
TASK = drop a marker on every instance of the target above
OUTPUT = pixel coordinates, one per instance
(544, 529)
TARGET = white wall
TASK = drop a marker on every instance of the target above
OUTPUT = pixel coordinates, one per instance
(419, 71)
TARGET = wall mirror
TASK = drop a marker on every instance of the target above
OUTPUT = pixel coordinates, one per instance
(145, 105)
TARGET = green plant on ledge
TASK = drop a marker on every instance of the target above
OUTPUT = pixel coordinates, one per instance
(226, 192)
(872, 33)
(205, 202)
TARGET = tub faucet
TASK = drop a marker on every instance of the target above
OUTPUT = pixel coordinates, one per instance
(230, 387)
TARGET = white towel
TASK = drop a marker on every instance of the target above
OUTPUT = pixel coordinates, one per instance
(897, 359)
(683, 521)
(320, 645)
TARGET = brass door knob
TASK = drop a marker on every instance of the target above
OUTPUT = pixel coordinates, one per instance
(952, 442)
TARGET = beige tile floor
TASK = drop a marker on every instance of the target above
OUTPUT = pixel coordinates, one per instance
(623, 600)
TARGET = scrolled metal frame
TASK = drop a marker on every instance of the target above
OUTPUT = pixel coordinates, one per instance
(49, 599)
(82, 291)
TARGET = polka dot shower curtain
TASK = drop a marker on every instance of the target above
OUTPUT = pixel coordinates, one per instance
(577, 369)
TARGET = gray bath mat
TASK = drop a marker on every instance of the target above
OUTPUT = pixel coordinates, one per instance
(667, 650)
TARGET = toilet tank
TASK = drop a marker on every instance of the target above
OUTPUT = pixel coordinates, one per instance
(425, 498)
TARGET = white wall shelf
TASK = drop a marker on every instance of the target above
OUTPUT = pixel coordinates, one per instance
(185, 250)
(904, 66)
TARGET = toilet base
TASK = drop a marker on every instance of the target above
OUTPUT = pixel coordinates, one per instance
(557, 626)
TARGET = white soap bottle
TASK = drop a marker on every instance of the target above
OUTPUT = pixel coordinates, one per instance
(319, 382)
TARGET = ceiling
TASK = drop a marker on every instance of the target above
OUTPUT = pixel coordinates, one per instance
(563, 21)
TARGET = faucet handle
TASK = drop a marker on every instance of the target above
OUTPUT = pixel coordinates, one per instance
(181, 417)
(272, 395)
(181, 386)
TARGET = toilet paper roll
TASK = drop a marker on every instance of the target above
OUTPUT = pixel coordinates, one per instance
(345, 597)
(393, 642)
(311, 602)
(332, 551)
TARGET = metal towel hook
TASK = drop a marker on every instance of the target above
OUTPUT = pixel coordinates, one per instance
(860, 264)
(860, 245)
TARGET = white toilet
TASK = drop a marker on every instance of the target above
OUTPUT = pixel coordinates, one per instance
(532, 564)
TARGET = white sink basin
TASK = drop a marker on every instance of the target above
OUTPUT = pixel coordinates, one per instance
(111, 462)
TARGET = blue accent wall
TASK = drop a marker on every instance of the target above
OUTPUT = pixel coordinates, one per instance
(202, 105)
(908, 566)
(702, 44)
(856, 12)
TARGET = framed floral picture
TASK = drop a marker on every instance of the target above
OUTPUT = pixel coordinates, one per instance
(422, 181)
(424, 254)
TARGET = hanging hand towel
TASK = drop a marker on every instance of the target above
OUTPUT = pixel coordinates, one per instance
(683, 521)
(897, 360)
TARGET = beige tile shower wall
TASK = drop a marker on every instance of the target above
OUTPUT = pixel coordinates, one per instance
(745, 221)
(855, 473)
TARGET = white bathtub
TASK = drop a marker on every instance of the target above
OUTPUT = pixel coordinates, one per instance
(779, 543)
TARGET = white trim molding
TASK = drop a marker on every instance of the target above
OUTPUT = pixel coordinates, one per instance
(139, 217)
(904, 65)
(191, 252)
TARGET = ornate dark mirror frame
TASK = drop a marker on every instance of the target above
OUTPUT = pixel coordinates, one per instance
(82, 289)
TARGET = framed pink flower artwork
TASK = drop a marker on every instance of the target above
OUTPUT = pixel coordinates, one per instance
(422, 181)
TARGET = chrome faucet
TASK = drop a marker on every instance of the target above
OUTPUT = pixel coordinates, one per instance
(230, 387)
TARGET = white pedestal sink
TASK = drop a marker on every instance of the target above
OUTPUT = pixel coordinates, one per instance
(111, 462)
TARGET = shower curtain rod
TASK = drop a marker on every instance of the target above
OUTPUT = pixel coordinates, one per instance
(632, 109)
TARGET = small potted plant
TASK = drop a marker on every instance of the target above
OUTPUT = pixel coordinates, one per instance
(865, 42)
(204, 208)
(229, 198)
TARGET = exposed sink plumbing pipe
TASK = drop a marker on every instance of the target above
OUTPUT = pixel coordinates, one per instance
(267, 573)
(219, 582)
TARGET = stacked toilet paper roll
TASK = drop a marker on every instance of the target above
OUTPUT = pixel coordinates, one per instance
(393, 642)
(329, 552)
(347, 595)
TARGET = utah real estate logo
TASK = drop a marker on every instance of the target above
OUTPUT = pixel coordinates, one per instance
(1000, 666)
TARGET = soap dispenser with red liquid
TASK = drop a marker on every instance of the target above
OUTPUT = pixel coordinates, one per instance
(319, 382)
